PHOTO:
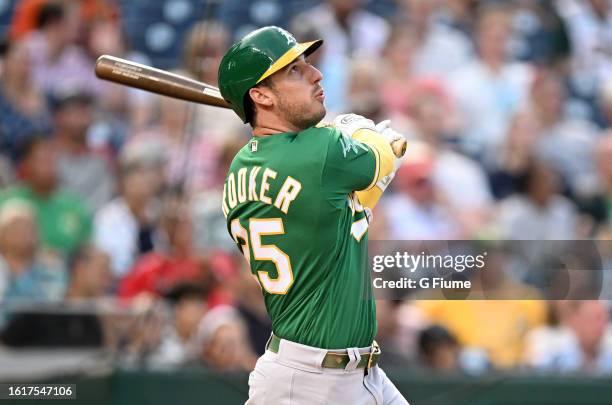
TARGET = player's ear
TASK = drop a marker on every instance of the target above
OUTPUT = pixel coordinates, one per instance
(262, 96)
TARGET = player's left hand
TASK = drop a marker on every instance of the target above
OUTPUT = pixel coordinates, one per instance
(348, 124)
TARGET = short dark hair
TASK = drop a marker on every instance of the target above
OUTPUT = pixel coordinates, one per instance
(29, 144)
(61, 99)
(48, 14)
(432, 337)
(184, 290)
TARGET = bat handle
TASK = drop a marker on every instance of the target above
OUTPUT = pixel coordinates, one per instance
(399, 147)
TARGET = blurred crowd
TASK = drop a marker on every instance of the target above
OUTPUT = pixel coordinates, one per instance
(111, 230)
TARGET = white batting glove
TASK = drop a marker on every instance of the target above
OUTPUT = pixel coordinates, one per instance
(384, 128)
(348, 124)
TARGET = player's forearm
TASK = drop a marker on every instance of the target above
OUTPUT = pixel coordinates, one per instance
(384, 165)
(382, 151)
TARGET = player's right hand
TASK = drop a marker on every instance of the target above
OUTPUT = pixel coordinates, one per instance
(348, 124)
(384, 128)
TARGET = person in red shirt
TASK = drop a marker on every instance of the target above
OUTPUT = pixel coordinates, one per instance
(159, 271)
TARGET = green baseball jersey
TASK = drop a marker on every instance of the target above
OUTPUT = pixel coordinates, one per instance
(63, 220)
(290, 207)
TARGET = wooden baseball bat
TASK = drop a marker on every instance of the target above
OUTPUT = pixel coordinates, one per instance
(159, 81)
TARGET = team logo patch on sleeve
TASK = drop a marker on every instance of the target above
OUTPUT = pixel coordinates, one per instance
(351, 145)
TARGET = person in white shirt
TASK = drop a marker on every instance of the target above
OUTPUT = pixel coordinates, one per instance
(126, 226)
(538, 212)
(489, 90)
(418, 210)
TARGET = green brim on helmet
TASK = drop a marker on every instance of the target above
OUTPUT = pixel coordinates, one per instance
(255, 57)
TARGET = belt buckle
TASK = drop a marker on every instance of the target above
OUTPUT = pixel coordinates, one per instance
(375, 349)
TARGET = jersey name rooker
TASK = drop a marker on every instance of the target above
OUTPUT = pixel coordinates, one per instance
(254, 185)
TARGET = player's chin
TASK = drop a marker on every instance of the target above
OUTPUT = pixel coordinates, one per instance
(312, 119)
(320, 112)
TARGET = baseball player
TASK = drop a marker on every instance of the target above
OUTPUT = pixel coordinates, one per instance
(297, 200)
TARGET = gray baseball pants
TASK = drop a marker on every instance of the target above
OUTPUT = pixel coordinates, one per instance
(294, 376)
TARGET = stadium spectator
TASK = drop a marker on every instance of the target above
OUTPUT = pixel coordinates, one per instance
(64, 222)
(90, 274)
(137, 332)
(190, 158)
(459, 178)
(590, 30)
(512, 158)
(388, 333)
(459, 14)
(397, 73)
(82, 171)
(90, 289)
(490, 89)
(80, 325)
(540, 35)
(538, 212)
(364, 97)
(418, 210)
(23, 109)
(24, 17)
(54, 53)
(439, 48)
(566, 144)
(509, 307)
(222, 341)
(508, 321)
(206, 44)
(247, 299)
(26, 14)
(119, 109)
(580, 339)
(438, 349)
(127, 226)
(158, 271)
(93, 11)
(178, 344)
(25, 271)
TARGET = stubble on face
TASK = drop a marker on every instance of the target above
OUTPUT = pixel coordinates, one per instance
(300, 114)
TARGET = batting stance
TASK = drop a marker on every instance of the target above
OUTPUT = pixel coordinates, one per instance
(297, 200)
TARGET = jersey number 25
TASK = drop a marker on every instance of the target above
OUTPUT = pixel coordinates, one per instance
(257, 229)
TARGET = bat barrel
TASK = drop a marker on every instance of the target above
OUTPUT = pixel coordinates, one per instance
(157, 81)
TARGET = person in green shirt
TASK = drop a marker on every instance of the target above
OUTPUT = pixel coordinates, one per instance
(298, 200)
(63, 220)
